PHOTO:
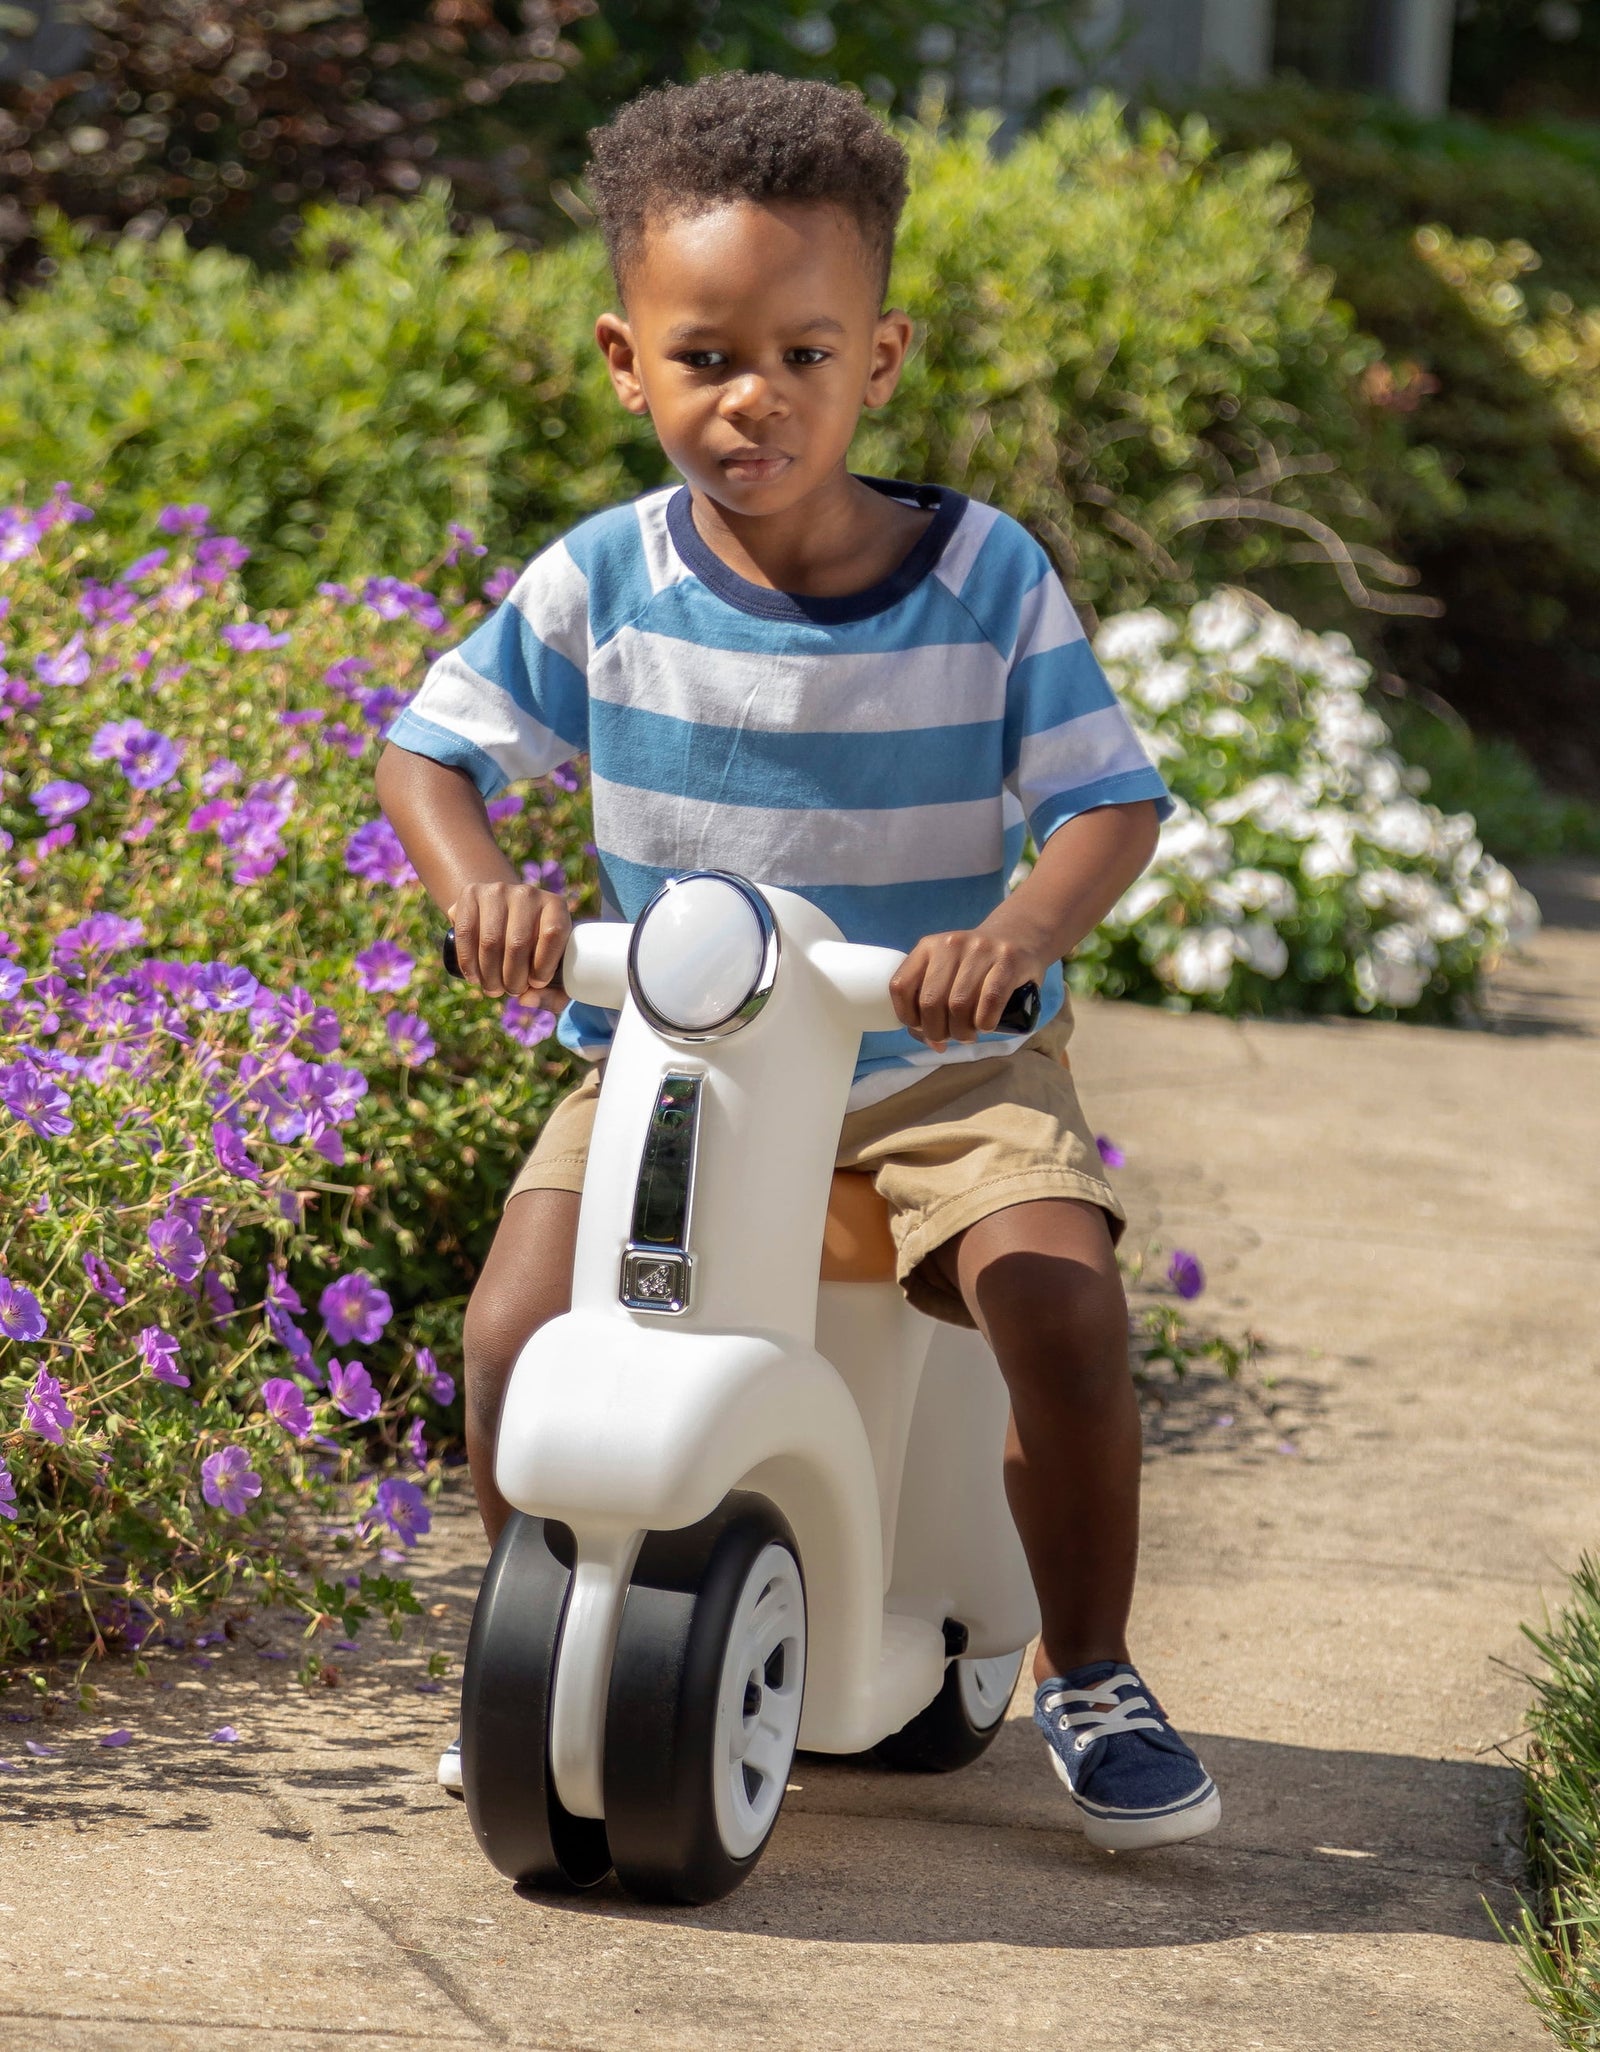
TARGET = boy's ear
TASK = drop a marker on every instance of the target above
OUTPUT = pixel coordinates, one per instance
(615, 338)
(891, 344)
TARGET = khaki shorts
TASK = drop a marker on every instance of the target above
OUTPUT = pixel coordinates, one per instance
(961, 1142)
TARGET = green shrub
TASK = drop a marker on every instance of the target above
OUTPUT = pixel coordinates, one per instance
(1559, 1934)
(208, 1079)
(1122, 343)
(1519, 818)
(1498, 500)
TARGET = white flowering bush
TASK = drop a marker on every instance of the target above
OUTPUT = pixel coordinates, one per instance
(1302, 869)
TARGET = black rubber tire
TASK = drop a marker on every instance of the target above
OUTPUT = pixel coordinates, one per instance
(941, 1738)
(661, 1712)
(516, 1814)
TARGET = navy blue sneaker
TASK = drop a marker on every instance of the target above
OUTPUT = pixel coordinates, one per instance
(1133, 1781)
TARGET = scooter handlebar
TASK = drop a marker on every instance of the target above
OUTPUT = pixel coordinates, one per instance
(594, 970)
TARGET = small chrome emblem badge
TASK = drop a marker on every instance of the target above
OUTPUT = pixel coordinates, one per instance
(654, 1279)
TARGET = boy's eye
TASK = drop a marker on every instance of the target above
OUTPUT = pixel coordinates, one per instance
(702, 359)
(808, 356)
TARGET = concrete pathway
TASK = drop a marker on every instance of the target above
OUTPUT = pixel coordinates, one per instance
(1335, 1569)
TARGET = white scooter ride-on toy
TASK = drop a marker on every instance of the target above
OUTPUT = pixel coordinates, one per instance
(759, 1498)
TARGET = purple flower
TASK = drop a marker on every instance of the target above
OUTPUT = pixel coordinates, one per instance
(391, 598)
(217, 557)
(102, 1281)
(529, 1025)
(8, 1492)
(250, 635)
(147, 759)
(16, 695)
(227, 1480)
(354, 1308)
(206, 816)
(341, 594)
(384, 966)
(59, 800)
(69, 665)
(507, 806)
(286, 1405)
(232, 1154)
(12, 977)
(351, 1388)
(498, 584)
(184, 519)
(345, 674)
(61, 509)
(566, 778)
(549, 876)
(102, 933)
(115, 1738)
(45, 1410)
(401, 1506)
(49, 844)
(417, 1443)
(1185, 1274)
(20, 1315)
(146, 565)
(341, 735)
(1110, 1153)
(31, 1095)
(440, 1386)
(463, 542)
(218, 1295)
(224, 1735)
(159, 1351)
(306, 716)
(374, 852)
(177, 1246)
(224, 987)
(114, 602)
(410, 1037)
(220, 775)
(40, 1752)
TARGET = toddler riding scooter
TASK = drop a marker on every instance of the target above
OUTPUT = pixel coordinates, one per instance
(760, 1497)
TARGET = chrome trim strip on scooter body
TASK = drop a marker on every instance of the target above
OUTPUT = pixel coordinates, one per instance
(657, 1267)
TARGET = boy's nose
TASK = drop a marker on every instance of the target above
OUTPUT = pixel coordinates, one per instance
(751, 398)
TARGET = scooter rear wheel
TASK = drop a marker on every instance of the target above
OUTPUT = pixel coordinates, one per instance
(516, 1815)
(961, 1722)
(704, 1707)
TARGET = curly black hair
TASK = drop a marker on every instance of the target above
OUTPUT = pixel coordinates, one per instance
(682, 149)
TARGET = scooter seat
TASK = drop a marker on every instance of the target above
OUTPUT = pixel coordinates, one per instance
(856, 1242)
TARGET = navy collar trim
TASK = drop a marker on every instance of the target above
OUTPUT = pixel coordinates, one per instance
(946, 506)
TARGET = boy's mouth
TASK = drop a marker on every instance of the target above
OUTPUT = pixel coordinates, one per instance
(754, 466)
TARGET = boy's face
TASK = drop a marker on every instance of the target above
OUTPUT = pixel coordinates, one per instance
(753, 339)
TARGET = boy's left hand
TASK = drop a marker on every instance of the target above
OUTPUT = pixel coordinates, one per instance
(954, 986)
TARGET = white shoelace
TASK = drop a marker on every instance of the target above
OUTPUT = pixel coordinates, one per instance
(1097, 1713)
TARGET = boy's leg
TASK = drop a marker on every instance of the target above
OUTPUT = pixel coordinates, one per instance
(1041, 1282)
(525, 1282)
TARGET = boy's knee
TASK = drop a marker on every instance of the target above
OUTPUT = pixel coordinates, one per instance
(1059, 1324)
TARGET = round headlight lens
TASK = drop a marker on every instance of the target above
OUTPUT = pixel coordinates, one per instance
(702, 953)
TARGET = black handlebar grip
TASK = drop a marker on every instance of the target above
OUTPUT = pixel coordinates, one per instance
(1021, 1014)
(448, 955)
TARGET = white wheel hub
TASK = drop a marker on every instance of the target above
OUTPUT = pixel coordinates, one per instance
(986, 1687)
(758, 1701)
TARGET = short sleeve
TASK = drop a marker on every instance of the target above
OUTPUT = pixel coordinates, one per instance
(1070, 747)
(512, 701)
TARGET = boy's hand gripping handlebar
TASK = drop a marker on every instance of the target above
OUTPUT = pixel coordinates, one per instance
(599, 938)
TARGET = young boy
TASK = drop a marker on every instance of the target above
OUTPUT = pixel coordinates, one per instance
(863, 692)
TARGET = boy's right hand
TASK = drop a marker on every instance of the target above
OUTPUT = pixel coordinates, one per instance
(510, 937)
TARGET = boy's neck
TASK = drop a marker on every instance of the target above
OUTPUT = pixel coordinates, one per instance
(841, 538)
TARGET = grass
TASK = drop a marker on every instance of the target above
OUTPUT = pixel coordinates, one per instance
(1519, 818)
(1558, 1933)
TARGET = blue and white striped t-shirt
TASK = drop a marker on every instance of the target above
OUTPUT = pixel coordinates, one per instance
(884, 754)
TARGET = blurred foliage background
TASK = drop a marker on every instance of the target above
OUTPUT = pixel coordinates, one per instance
(1445, 431)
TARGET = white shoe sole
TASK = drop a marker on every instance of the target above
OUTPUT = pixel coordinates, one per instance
(1140, 1834)
(449, 1773)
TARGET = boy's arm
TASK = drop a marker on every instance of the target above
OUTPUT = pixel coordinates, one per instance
(954, 986)
(510, 936)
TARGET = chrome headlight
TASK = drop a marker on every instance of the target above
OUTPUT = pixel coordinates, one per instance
(704, 956)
